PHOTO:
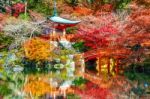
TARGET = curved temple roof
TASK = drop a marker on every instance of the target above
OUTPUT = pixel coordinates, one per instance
(60, 20)
(57, 19)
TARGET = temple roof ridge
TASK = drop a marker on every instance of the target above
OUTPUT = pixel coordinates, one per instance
(55, 18)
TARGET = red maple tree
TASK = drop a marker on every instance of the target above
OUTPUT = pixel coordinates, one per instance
(97, 38)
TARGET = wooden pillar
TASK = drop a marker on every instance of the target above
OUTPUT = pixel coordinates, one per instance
(113, 64)
(53, 33)
(108, 65)
(64, 32)
(117, 66)
(54, 30)
(82, 65)
(99, 65)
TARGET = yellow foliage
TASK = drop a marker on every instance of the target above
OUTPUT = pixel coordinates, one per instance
(38, 49)
(38, 88)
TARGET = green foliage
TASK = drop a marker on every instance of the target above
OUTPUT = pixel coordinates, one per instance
(138, 76)
(66, 52)
(34, 67)
(4, 90)
(73, 96)
(79, 81)
(90, 1)
(17, 0)
(72, 2)
(121, 4)
(106, 1)
(71, 30)
(41, 6)
(13, 78)
(79, 46)
(138, 91)
(5, 41)
(139, 71)
(24, 17)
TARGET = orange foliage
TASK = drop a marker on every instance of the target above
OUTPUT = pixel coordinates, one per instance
(107, 7)
(38, 49)
(82, 11)
(38, 88)
(142, 18)
(146, 43)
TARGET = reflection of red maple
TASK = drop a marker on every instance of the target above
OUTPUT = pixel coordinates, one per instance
(92, 91)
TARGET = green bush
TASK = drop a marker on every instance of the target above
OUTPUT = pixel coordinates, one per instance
(71, 30)
(138, 71)
(79, 81)
(121, 4)
(5, 41)
(80, 46)
(72, 96)
(41, 6)
(4, 90)
(24, 17)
